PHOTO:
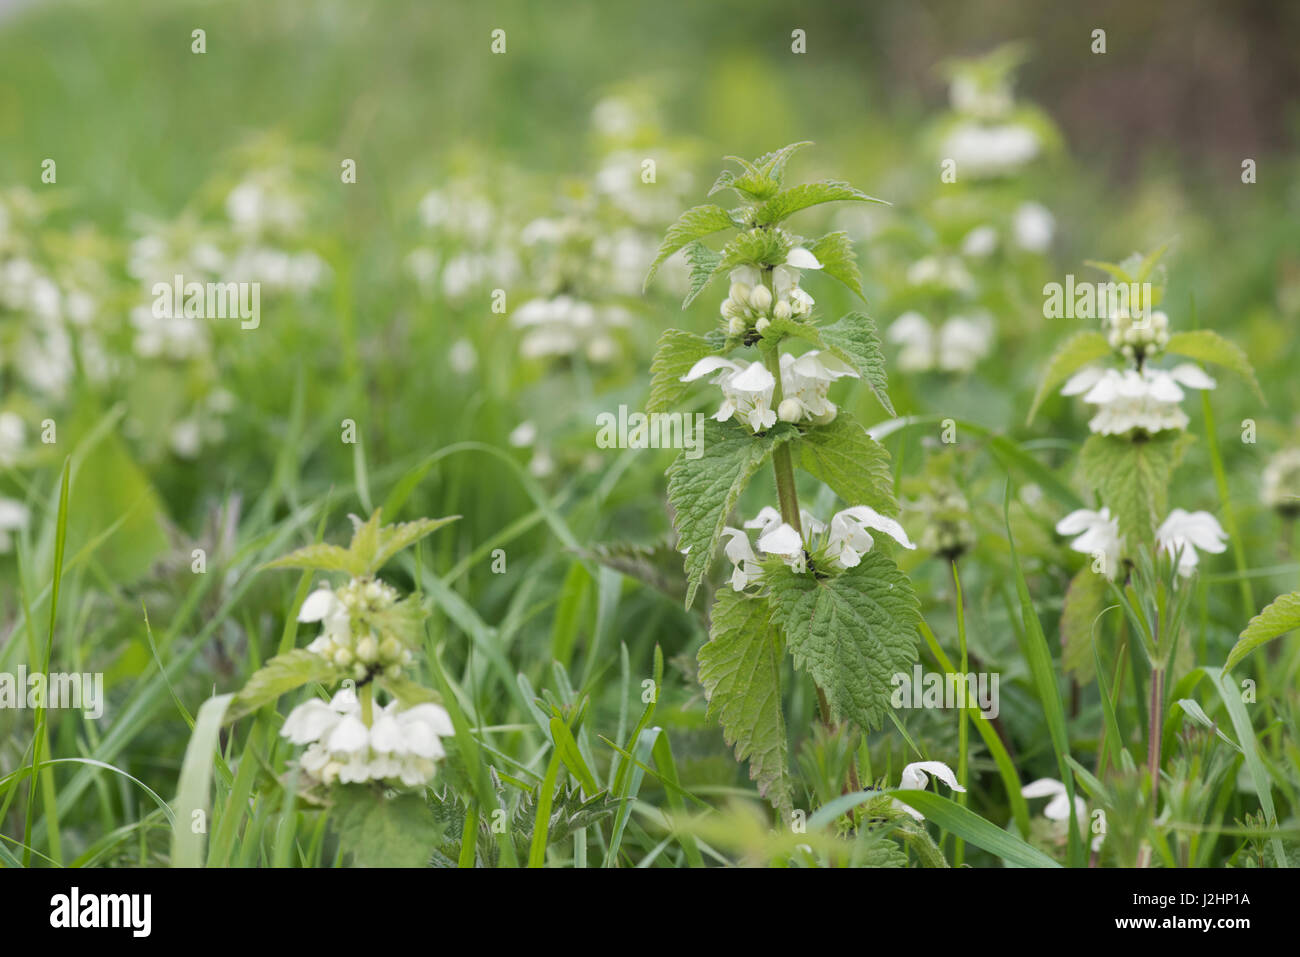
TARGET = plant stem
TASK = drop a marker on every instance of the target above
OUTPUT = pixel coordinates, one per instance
(367, 695)
(1155, 712)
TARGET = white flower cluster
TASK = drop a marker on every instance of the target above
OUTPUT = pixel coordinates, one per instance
(1179, 535)
(400, 746)
(957, 346)
(1032, 229)
(1138, 338)
(349, 636)
(1146, 400)
(563, 325)
(842, 546)
(1280, 483)
(751, 305)
(13, 518)
(747, 388)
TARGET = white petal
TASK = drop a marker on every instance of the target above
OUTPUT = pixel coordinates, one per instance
(1043, 787)
(756, 378)
(914, 775)
(782, 540)
(1082, 381)
(706, 365)
(801, 258)
(317, 605)
(1192, 376)
(873, 519)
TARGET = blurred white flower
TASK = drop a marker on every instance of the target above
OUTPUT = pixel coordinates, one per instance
(1280, 482)
(990, 150)
(524, 434)
(1128, 399)
(914, 778)
(945, 272)
(1033, 227)
(1058, 808)
(1182, 533)
(462, 357)
(13, 517)
(1098, 535)
(980, 242)
(804, 384)
(13, 435)
(185, 438)
(958, 346)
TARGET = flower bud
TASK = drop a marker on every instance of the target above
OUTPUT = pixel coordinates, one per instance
(736, 325)
(760, 298)
(789, 410)
(391, 649)
(781, 310)
(343, 657)
(368, 649)
(762, 324)
(739, 293)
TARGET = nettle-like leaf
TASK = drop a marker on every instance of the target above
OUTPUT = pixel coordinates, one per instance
(705, 263)
(790, 201)
(851, 632)
(691, 225)
(1208, 346)
(760, 179)
(740, 669)
(371, 547)
(279, 676)
(703, 491)
(1071, 356)
(1084, 601)
(377, 831)
(1281, 615)
(407, 692)
(854, 340)
(839, 260)
(765, 247)
(850, 461)
(404, 620)
(1132, 478)
(675, 353)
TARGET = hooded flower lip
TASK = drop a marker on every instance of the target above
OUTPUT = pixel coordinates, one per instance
(1098, 534)
(914, 778)
(849, 539)
(1058, 808)
(805, 382)
(401, 744)
(1182, 533)
(746, 389)
(1131, 399)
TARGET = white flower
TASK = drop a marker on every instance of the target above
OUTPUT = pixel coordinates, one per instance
(959, 345)
(741, 555)
(1182, 533)
(348, 617)
(980, 242)
(1098, 536)
(746, 390)
(13, 517)
(914, 778)
(990, 150)
(1280, 481)
(1058, 808)
(849, 539)
(948, 272)
(1033, 227)
(462, 357)
(985, 100)
(785, 543)
(804, 384)
(1147, 400)
(400, 745)
(13, 434)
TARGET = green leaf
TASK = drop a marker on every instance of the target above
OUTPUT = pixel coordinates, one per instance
(1281, 615)
(854, 340)
(280, 675)
(705, 264)
(764, 247)
(761, 178)
(773, 164)
(850, 461)
(1132, 477)
(404, 620)
(395, 538)
(567, 749)
(740, 669)
(851, 633)
(407, 692)
(839, 261)
(1072, 355)
(675, 353)
(194, 789)
(704, 490)
(970, 827)
(319, 557)
(1085, 599)
(691, 225)
(1208, 346)
(384, 832)
(796, 198)
(1118, 273)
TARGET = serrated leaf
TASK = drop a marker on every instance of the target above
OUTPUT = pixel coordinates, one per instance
(1132, 478)
(1084, 601)
(407, 692)
(851, 633)
(365, 540)
(319, 557)
(773, 164)
(1279, 617)
(675, 353)
(384, 832)
(1071, 356)
(404, 620)
(740, 669)
(394, 538)
(705, 263)
(850, 461)
(796, 198)
(279, 676)
(703, 491)
(839, 261)
(765, 247)
(691, 225)
(854, 340)
(1209, 346)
